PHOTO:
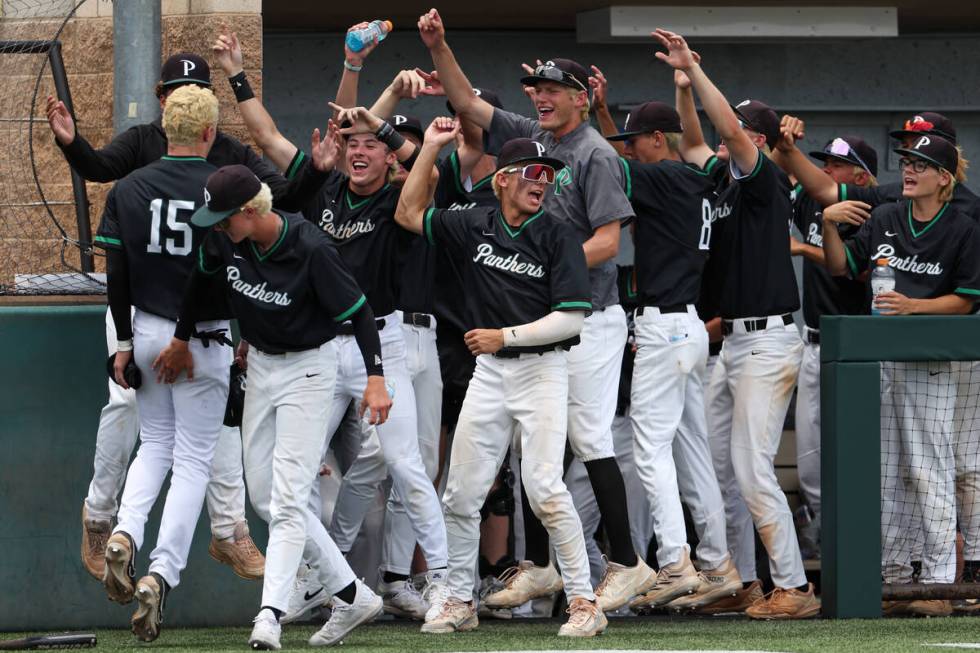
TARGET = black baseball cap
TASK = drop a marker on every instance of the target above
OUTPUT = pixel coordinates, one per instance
(934, 149)
(927, 122)
(561, 71)
(852, 149)
(484, 93)
(524, 150)
(759, 117)
(647, 118)
(185, 68)
(227, 190)
(407, 124)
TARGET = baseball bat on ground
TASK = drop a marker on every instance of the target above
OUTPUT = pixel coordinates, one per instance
(42, 642)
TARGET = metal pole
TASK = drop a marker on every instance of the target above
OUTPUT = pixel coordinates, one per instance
(136, 43)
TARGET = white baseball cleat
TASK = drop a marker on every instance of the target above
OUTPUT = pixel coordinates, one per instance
(455, 616)
(621, 583)
(435, 593)
(401, 599)
(266, 632)
(523, 583)
(345, 617)
(307, 594)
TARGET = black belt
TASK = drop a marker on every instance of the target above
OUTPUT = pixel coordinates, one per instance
(812, 336)
(714, 348)
(673, 308)
(417, 319)
(347, 328)
(217, 335)
(728, 326)
(515, 352)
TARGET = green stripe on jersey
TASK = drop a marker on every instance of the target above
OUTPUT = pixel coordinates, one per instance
(427, 220)
(850, 261)
(967, 291)
(108, 241)
(587, 306)
(200, 262)
(297, 160)
(350, 311)
(629, 182)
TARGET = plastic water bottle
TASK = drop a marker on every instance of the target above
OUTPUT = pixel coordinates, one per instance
(882, 281)
(359, 38)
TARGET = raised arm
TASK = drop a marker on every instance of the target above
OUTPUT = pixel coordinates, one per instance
(607, 126)
(114, 161)
(420, 186)
(693, 148)
(743, 151)
(458, 87)
(407, 84)
(815, 181)
(353, 62)
(363, 121)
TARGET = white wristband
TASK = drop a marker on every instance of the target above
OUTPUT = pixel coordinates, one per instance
(124, 345)
(352, 67)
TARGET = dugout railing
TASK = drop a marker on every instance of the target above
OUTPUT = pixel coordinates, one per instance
(852, 349)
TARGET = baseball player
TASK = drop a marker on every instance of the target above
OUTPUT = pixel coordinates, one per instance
(933, 250)
(150, 243)
(672, 235)
(521, 376)
(290, 291)
(760, 358)
(589, 195)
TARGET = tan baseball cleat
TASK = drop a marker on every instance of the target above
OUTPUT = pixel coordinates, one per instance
(240, 553)
(736, 604)
(585, 619)
(455, 616)
(120, 572)
(151, 593)
(786, 604)
(930, 608)
(673, 581)
(95, 536)
(523, 583)
(719, 583)
(621, 583)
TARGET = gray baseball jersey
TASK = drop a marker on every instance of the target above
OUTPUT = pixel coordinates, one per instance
(588, 193)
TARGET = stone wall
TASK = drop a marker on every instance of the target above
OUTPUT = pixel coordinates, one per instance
(29, 241)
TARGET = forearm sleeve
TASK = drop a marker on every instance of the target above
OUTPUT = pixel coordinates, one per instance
(368, 341)
(554, 327)
(117, 268)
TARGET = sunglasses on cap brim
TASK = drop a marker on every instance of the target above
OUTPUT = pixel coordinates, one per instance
(556, 74)
(534, 172)
(842, 149)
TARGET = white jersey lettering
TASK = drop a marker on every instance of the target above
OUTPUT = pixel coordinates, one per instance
(906, 264)
(258, 293)
(485, 256)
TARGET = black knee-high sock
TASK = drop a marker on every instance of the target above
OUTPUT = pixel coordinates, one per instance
(610, 495)
(535, 536)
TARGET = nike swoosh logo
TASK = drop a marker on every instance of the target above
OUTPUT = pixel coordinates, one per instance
(310, 376)
(890, 234)
(934, 373)
(237, 256)
(307, 596)
(487, 234)
(756, 352)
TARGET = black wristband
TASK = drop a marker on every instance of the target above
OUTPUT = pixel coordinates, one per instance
(387, 135)
(241, 87)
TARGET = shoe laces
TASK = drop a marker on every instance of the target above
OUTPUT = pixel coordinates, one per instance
(510, 576)
(97, 542)
(580, 612)
(434, 592)
(606, 577)
(450, 606)
(247, 547)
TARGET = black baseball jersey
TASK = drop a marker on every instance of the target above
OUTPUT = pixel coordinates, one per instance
(452, 194)
(750, 237)
(147, 214)
(289, 298)
(964, 200)
(371, 243)
(143, 144)
(672, 233)
(930, 259)
(513, 276)
(824, 294)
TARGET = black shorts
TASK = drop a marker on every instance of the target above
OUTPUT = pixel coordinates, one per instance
(456, 364)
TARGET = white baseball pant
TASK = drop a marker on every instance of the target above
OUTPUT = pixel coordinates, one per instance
(752, 384)
(667, 410)
(392, 447)
(583, 499)
(966, 449)
(284, 426)
(529, 393)
(917, 470)
(180, 424)
(114, 444)
(808, 425)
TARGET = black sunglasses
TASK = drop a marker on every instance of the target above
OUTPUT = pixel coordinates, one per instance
(556, 74)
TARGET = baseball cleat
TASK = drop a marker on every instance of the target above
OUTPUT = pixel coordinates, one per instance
(524, 582)
(722, 582)
(786, 604)
(489, 585)
(585, 620)
(307, 594)
(930, 608)
(266, 632)
(120, 571)
(345, 617)
(151, 593)
(673, 581)
(455, 616)
(240, 553)
(95, 537)
(401, 599)
(435, 593)
(621, 583)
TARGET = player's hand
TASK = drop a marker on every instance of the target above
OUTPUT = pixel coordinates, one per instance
(241, 354)
(791, 130)
(431, 29)
(325, 470)
(895, 303)
(376, 402)
(441, 132)
(599, 86)
(484, 341)
(357, 58)
(795, 247)
(678, 55)
(847, 212)
(681, 80)
(228, 52)
(60, 120)
(408, 84)
(361, 120)
(530, 91)
(713, 327)
(119, 364)
(174, 359)
(326, 153)
(433, 85)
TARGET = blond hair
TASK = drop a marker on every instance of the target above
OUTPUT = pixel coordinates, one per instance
(872, 180)
(673, 140)
(584, 113)
(495, 185)
(946, 192)
(961, 166)
(262, 202)
(189, 111)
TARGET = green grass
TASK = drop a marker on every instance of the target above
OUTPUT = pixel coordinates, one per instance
(653, 633)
